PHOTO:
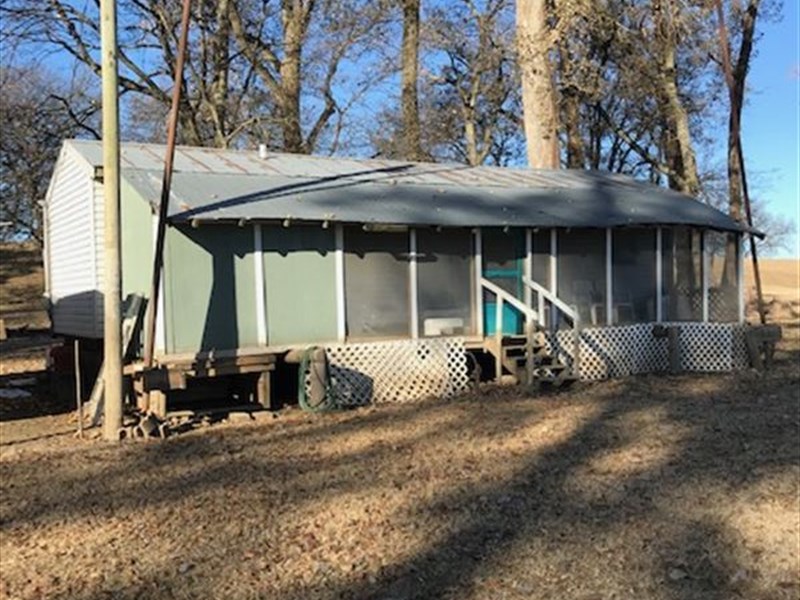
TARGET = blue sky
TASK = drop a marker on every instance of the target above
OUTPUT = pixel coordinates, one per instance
(771, 125)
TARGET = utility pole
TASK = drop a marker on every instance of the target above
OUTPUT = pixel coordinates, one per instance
(112, 323)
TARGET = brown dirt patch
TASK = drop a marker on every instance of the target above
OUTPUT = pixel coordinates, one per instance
(649, 487)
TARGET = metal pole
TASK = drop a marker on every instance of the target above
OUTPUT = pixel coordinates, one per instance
(158, 258)
(112, 320)
(78, 394)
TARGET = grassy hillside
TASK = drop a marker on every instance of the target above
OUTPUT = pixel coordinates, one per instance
(22, 286)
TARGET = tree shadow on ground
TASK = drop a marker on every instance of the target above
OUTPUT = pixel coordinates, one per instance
(620, 503)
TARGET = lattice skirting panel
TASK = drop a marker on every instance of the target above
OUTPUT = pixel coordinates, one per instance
(631, 349)
(398, 371)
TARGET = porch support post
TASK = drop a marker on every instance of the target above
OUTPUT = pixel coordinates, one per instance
(659, 276)
(704, 265)
(609, 277)
(740, 277)
(553, 261)
(339, 270)
(412, 282)
(528, 267)
(478, 286)
(553, 283)
(261, 309)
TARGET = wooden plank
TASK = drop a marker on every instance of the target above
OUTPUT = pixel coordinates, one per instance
(158, 403)
(263, 389)
(214, 355)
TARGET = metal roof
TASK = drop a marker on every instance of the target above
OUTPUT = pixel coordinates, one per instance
(211, 184)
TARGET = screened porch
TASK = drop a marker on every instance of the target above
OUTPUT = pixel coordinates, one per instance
(426, 282)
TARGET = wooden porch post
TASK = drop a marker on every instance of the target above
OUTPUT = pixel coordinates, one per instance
(261, 309)
(659, 276)
(339, 267)
(609, 277)
(740, 277)
(478, 288)
(704, 265)
(412, 282)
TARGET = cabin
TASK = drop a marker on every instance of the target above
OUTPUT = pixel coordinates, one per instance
(409, 276)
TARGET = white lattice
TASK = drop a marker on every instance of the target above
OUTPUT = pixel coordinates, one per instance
(398, 371)
(632, 349)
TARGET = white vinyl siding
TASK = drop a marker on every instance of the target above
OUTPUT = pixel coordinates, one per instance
(74, 288)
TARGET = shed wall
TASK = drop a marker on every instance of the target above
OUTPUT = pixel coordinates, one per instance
(73, 286)
(209, 287)
(300, 282)
(136, 241)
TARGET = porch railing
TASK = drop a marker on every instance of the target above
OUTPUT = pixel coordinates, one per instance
(557, 305)
(534, 317)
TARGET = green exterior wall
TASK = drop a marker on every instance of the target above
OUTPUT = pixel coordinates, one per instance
(209, 288)
(300, 281)
(136, 241)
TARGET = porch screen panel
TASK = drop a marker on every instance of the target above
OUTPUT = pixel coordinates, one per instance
(376, 275)
(682, 286)
(723, 297)
(444, 281)
(503, 253)
(634, 275)
(540, 249)
(582, 273)
(541, 257)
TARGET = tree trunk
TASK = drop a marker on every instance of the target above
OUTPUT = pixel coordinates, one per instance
(576, 158)
(294, 16)
(737, 89)
(681, 158)
(540, 116)
(410, 136)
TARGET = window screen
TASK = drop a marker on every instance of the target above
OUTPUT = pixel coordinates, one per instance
(582, 272)
(540, 249)
(683, 275)
(376, 283)
(444, 281)
(634, 275)
(723, 297)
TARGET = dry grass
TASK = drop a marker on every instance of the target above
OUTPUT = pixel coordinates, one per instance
(22, 286)
(780, 278)
(650, 487)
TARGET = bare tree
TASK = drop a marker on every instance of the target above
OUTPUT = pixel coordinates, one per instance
(38, 110)
(409, 102)
(474, 98)
(254, 69)
(735, 69)
(306, 52)
(540, 114)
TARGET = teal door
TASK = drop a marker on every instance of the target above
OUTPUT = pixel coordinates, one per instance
(503, 260)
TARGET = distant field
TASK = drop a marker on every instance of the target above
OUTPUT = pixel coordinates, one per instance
(780, 280)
